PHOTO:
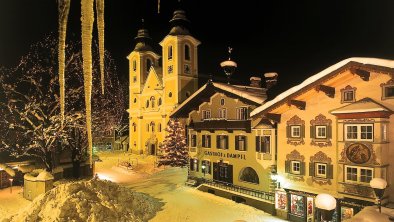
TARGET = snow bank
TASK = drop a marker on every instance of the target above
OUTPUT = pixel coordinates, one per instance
(44, 175)
(93, 200)
(7, 169)
(26, 168)
(371, 214)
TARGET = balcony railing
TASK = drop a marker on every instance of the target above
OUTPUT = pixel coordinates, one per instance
(267, 196)
(222, 124)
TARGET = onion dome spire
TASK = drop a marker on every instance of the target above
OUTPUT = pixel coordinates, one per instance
(143, 39)
(179, 23)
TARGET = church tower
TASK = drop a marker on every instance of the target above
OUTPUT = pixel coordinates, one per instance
(179, 59)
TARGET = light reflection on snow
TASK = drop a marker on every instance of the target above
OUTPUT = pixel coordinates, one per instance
(102, 176)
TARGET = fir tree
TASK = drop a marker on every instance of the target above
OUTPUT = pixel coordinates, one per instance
(174, 147)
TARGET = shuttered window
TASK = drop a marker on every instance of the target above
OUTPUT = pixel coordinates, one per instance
(295, 167)
(222, 141)
(206, 141)
(240, 143)
(321, 170)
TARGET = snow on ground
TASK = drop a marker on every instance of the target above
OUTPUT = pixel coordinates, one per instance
(371, 214)
(181, 203)
(91, 201)
(10, 203)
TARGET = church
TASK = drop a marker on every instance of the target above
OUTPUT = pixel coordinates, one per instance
(159, 83)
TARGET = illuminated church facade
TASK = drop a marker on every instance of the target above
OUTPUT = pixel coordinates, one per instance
(157, 87)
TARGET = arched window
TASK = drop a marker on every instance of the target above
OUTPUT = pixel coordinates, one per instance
(159, 127)
(147, 103)
(134, 127)
(169, 52)
(135, 100)
(152, 100)
(134, 65)
(187, 53)
(152, 126)
(148, 64)
(170, 94)
(159, 102)
(248, 174)
(187, 94)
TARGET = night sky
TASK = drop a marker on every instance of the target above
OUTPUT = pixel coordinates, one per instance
(294, 38)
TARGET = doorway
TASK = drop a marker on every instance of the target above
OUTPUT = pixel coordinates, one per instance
(152, 150)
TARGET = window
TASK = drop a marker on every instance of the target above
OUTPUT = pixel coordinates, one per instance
(348, 94)
(321, 132)
(193, 140)
(170, 69)
(170, 52)
(186, 67)
(135, 100)
(207, 165)
(295, 167)
(359, 132)
(134, 127)
(148, 64)
(152, 101)
(222, 102)
(206, 114)
(222, 141)
(248, 174)
(242, 113)
(134, 78)
(187, 53)
(295, 131)
(159, 102)
(147, 127)
(147, 103)
(194, 165)
(170, 94)
(134, 65)
(159, 127)
(358, 174)
(263, 144)
(388, 92)
(240, 143)
(152, 125)
(223, 113)
(206, 141)
(187, 94)
(321, 170)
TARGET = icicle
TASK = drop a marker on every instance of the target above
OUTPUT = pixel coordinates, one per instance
(63, 9)
(87, 28)
(100, 28)
(158, 6)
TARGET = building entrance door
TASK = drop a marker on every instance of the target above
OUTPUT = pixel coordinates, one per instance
(223, 172)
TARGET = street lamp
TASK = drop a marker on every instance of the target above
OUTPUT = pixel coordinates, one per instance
(326, 204)
(11, 184)
(378, 185)
(229, 66)
(203, 169)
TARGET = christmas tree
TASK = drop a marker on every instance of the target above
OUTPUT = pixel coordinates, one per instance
(174, 147)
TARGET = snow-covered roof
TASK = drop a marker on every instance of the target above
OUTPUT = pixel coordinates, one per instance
(320, 75)
(362, 106)
(255, 95)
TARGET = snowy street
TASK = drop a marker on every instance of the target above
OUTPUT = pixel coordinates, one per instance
(182, 203)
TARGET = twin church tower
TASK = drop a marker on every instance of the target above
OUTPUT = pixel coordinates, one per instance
(157, 88)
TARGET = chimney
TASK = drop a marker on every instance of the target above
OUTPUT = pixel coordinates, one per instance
(270, 79)
(255, 81)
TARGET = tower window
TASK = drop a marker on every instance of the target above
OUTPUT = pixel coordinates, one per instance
(170, 94)
(187, 94)
(159, 127)
(187, 53)
(222, 102)
(152, 100)
(147, 103)
(152, 125)
(134, 127)
(159, 102)
(135, 100)
(134, 65)
(134, 78)
(148, 64)
(169, 52)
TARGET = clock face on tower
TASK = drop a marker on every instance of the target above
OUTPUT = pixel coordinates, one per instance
(187, 69)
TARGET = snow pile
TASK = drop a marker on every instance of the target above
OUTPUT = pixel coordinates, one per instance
(371, 214)
(26, 168)
(93, 200)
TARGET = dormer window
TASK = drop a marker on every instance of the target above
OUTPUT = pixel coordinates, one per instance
(152, 100)
(148, 64)
(388, 90)
(170, 52)
(187, 53)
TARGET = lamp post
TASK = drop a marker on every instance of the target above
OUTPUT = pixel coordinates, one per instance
(229, 66)
(378, 185)
(11, 184)
(203, 170)
(326, 205)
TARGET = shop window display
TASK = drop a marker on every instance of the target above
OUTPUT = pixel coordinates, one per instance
(346, 213)
(281, 200)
